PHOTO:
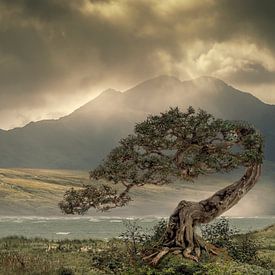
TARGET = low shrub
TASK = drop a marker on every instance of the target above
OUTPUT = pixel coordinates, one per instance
(241, 247)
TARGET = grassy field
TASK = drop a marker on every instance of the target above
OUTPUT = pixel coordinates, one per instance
(38, 191)
(39, 256)
(35, 191)
(267, 238)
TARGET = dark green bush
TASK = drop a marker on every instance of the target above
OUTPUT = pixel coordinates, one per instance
(156, 234)
(134, 238)
(65, 271)
(113, 258)
(241, 247)
(219, 233)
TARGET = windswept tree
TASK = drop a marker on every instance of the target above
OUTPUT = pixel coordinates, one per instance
(170, 146)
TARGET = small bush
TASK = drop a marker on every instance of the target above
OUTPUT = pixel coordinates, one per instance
(155, 236)
(65, 271)
(219, 233)
(133, 237)
(112, 259)
(241, 247)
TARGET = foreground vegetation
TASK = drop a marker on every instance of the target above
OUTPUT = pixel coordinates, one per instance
(252, 253)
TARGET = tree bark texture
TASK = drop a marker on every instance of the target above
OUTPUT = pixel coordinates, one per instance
(180, 234)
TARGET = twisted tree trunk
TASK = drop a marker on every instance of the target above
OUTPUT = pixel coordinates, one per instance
(180, 235)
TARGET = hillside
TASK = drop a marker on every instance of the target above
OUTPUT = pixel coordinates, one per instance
(82, 139)
(36, 192)
(267, 239)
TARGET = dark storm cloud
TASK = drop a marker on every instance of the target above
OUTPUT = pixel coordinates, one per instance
(51, 50)
(254, 19)
(253, 73)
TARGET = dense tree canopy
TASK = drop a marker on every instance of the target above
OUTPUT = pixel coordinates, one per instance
(163, 148)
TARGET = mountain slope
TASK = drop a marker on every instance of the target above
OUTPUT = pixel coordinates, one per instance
(83, 138)
(36, 192)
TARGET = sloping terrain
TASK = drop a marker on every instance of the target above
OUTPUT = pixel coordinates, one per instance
(38, 191)
(82, 139)
(266, 238)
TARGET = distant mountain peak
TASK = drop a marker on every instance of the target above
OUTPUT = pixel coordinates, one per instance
(209, 80)
(161, 81)
(83, 138)
(166, 81)
(165, 77)
(107, 96)
(208, 77)
(109, 92)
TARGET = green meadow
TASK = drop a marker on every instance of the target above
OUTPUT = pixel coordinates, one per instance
(121, 256)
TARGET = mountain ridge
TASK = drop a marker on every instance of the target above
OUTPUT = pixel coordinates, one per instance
(81, 139)
(114, 91)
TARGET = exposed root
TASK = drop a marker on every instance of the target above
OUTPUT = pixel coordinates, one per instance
(180, 236)
(146, 258)
(155, 257)
(159, 256)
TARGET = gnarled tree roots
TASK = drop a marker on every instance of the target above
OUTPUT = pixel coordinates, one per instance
(180, 235)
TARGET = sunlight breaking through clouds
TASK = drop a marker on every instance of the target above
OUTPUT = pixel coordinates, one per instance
(72, 50)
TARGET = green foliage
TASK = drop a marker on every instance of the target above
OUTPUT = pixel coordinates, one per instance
(220, 233)
(112, 259)
(30, 256)
(230, 267)
(176, 144)
(134, 238)
(139, 242)
(19, 255)
(125, 256)
(65, 271)
(243, 248)
(164, 148)
(79, 201)
(154, 237)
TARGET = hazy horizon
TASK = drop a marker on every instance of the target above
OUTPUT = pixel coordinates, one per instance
(58, 116)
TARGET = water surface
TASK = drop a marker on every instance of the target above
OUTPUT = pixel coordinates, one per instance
(98, 227)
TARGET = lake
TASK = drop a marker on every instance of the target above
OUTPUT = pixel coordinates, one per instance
(84, 227)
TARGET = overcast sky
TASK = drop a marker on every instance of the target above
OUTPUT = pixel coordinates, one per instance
(56, 55)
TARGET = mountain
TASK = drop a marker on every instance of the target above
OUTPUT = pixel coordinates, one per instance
(82, 139)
